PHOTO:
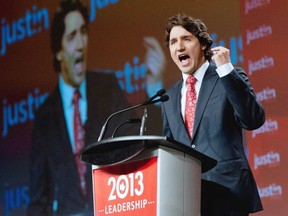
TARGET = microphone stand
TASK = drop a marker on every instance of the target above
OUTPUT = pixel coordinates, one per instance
(143, 122)
(160, 94)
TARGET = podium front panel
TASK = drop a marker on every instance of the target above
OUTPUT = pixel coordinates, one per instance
(160, 181)
(126, 189)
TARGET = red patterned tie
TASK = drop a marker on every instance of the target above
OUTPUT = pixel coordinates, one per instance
(79, 135)
(190, 106)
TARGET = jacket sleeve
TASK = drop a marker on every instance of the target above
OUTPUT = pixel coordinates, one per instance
(249, 113)
(39, 178)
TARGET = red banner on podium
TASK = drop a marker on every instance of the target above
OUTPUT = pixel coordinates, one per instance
(126, 189)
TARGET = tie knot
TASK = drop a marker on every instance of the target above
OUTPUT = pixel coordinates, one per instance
(76, 97)
(191, 80)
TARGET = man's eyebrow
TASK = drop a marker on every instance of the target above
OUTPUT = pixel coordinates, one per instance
(173, 39)
(186, 36)
(72, 33)
(84, 26)
(181, 37)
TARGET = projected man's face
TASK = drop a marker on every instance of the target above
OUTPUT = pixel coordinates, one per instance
(73, 54)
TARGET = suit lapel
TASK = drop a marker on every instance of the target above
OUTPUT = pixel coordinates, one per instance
(61, 127)
(207, 86)
(176, 95)
(175, 106)
(94, 118)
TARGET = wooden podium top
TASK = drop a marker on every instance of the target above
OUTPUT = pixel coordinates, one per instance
(116, 150)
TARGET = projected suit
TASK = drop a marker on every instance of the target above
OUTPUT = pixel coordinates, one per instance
(53, 170)
(54, 181)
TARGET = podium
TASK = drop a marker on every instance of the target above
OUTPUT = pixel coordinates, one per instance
(146, 175)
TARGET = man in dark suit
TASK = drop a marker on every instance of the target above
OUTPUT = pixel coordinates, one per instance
(225, 105)
(56, 185)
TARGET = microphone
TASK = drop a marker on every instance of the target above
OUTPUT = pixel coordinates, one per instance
(159, 93)
(150, 101)
(143, 122)
(161, 99)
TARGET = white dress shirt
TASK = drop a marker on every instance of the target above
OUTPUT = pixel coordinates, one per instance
(67, 93)
(199, 75)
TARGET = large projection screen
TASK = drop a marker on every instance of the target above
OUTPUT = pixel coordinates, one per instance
(254, 31)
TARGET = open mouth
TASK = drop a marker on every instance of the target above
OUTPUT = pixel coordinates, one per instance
(183, 57)
(79, 65)
(79, 60)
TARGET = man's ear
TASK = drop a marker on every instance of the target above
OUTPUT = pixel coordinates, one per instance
(203, 47)
(59, 56)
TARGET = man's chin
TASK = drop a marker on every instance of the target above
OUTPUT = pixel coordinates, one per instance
(186, 70)
(80, 72)
(78, 80)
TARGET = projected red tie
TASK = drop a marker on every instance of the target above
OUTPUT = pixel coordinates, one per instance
(79, 135)
(190, 106)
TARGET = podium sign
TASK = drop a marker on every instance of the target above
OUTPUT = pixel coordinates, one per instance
(126, 189)
(146, 175)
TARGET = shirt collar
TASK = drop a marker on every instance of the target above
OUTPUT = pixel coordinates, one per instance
(67, 91)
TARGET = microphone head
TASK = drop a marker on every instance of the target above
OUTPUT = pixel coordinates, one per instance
(164, 98)
(161, 92)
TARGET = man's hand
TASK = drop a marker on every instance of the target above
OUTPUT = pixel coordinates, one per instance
(221, 55)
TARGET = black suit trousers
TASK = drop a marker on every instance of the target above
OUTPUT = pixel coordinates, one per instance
(217, 200)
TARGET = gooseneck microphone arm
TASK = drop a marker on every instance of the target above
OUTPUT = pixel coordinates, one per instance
(151, 100)
(102, 133)
(129, 121)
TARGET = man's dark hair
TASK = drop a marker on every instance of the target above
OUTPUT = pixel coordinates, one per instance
(58, 25)
(195, 26)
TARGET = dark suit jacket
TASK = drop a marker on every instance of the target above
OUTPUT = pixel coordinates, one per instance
(53, 173)
(224, 106)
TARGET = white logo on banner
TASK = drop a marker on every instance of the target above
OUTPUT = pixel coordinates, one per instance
(269, 126)
(269, 158)
(272, 190)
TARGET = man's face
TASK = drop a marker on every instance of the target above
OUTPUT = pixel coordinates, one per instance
(73, 54)
(186, 50)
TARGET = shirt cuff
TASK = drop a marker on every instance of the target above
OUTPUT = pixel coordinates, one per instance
(225, 69)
